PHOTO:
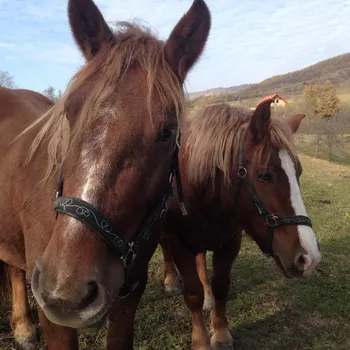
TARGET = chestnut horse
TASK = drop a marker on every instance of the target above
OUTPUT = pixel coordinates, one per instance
(239, 171)
(84, 182)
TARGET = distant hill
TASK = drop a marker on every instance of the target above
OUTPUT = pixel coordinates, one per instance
(336, 69)
(219, 91)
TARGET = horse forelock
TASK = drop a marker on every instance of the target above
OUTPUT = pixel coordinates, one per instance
(136, 47)
(214, 137)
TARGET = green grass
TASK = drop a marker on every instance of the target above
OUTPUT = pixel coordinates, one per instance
(265, 310)
(340, 152)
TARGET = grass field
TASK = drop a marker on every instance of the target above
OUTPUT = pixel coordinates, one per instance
(344, 95)
(266, 311)
(340, 152)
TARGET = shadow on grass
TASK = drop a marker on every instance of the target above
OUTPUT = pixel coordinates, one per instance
(265, 310)
(288, 329)
(310, 313)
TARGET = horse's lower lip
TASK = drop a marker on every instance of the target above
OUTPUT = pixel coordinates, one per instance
(74, 319)
(96, 326)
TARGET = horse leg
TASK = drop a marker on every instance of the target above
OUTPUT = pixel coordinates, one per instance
(222, 263)
(193, 292)
(203, 275)
(171, 279)
(21, 322)
(58, 337)
(120, 329)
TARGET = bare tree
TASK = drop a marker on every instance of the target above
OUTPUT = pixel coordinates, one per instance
(6, 79)
(343, 119)
(50, 93)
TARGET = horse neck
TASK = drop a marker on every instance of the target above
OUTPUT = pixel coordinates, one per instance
(208, 198)
(36, 167)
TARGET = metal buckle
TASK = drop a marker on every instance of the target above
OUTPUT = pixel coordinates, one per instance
(271, 220)
(242, 171)
(130, 256)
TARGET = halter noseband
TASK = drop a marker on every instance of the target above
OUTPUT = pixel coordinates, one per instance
(273, 221)
(97, 222)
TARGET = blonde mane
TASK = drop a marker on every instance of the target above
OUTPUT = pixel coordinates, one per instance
(135, 46)
(215, 134)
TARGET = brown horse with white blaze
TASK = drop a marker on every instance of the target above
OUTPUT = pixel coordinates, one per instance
(239, 171)
(103, 159)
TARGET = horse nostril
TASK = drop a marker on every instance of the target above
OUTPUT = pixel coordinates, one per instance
(300, 262)
(92, 292)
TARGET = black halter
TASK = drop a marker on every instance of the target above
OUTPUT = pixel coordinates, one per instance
(272, 221)
(96, 221)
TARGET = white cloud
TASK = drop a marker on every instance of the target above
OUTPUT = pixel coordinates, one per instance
(250, 40)
(60, 53)
(11, 58)
(6, 45)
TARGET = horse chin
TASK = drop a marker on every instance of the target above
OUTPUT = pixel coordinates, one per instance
(78, 320)
(96, 326)
(282, 268)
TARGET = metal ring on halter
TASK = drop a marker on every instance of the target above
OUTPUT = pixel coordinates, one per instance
(242, 171)
(272, 221)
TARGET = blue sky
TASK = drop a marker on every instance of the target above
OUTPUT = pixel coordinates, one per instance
(250, 40)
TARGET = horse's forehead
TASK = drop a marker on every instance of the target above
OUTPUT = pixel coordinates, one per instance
(288, 165)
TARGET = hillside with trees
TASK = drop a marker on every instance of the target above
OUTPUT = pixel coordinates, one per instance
(218, 91)
(336, 70)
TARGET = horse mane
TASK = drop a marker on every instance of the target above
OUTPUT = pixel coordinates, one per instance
(215, 134)
(135, 46)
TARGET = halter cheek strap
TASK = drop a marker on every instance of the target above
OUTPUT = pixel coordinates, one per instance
(100, 224)
(273, 221)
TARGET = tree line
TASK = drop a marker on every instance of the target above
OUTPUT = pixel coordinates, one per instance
(7, 80)
(328, 122)
(326, 130)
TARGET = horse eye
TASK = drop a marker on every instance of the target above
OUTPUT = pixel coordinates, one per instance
(265, 177)
(164, 135)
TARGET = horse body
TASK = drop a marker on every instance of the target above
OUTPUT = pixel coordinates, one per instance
(208, 220)
(110, 144)
(234, 173)
(19, 109)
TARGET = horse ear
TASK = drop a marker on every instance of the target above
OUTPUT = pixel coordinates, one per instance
(259, 123)
(88, 26)
(188, 38)
(294, 121)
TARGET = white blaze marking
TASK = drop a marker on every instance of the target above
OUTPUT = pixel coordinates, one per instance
(307, 236)
(92, 169)
(90, 182)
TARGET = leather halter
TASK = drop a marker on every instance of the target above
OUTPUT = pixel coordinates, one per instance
(273, 221)
(100, 224)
